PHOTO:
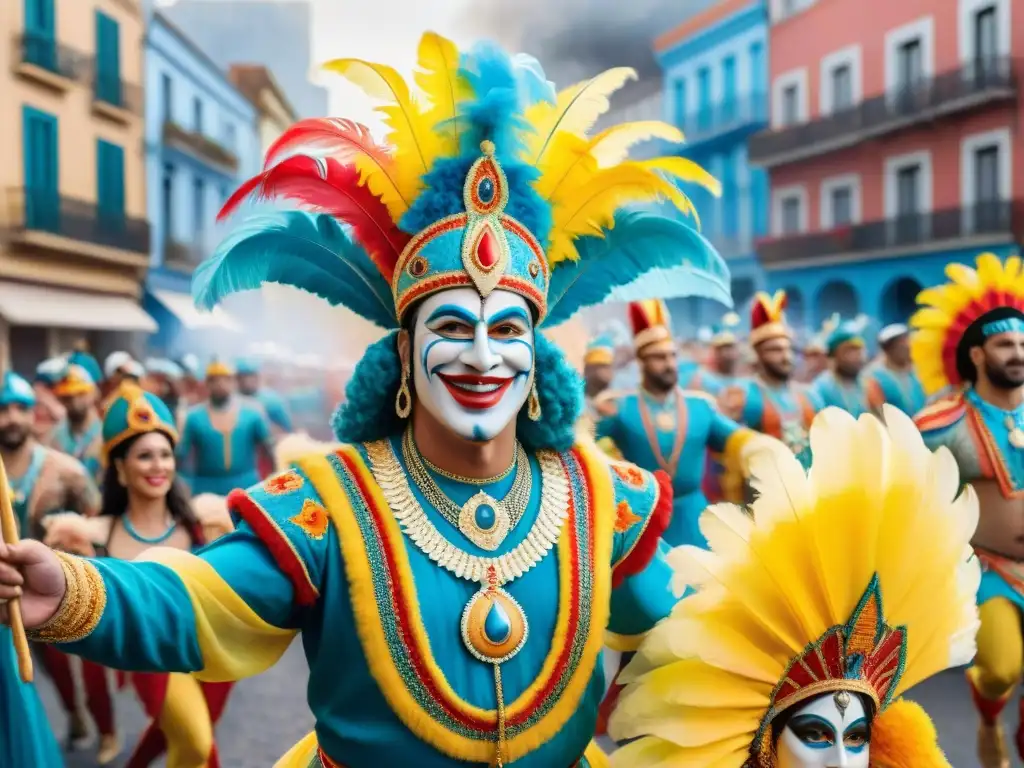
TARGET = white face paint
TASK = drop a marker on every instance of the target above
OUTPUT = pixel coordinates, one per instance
(472, 360)
(824, 734)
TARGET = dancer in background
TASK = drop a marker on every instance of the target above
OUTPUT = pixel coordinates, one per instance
(723, 368)
(845, 385)
(807, 625)
(251, 385)
(223, 438)
(48, 411)
(164, 379)
(144, 507)
(969, 338)
(80, 433)
(894, 372)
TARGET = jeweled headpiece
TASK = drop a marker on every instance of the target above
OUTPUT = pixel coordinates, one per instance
(974, 304)
(135, 412)
(487, 179)
(768, 317)
(808, 595)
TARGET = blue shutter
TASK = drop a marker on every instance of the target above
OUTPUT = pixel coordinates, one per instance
(703, 97)
(110, 183)
(108, 59)
(40, 46)
(729, 87)
(730, 206)
(680, 103)
(42, 199)
(758, 81)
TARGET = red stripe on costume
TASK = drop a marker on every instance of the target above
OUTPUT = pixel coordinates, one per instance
(875, 395)
(941, 414)
(277, 542)
(400, 601)
(646, 545)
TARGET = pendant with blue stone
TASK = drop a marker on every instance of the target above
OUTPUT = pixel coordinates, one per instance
(494, 627)
(484, 521)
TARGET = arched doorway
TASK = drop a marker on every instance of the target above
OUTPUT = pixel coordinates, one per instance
(796, 310)
(742, 289)
(835, 296)
(899, 300)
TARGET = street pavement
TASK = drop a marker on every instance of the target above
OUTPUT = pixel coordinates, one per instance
(267, 714)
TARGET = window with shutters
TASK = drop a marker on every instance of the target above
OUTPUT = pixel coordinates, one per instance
(39, 155)
(791, 215)
(842, 87)
(40, 44)
(108, 60)
(110, 184)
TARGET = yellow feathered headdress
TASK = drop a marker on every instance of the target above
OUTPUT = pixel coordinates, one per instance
(949, 313)
(857, 576)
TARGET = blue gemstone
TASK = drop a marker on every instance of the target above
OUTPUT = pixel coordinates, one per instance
(497, 625)
(486, 190)
(485, 517)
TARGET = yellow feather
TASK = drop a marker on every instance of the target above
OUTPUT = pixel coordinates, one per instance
(575, 110)
(684, 170)
(437, 76)
(415, 144)
(611, 146)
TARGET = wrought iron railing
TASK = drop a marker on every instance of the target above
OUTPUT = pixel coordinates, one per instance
(202, 145)
(46, 53)
(44, 210)
(726, 116)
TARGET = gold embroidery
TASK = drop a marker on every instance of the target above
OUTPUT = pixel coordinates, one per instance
(312, 518)
(85, 598)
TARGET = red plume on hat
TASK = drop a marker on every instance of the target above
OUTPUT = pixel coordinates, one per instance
(768, 317)
(651, 324)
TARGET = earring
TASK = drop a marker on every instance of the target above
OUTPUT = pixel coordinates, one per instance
(403, 400)
(533, 404)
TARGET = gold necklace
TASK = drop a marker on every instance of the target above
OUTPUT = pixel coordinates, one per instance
(483, 520)
(469, 480)
(494, 627)
(1016, 436)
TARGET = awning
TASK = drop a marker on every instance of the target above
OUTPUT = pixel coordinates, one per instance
(62, 308)
(181, 306)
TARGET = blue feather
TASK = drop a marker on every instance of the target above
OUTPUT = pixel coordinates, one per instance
(308, 251)
(623, 263)
(495, 111)
(534, 85)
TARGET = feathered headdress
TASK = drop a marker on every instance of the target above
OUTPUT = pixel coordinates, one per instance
(768, 317)
(652, 325)
(726, 332)
(487, 178)
(812, 593)
(975, 303)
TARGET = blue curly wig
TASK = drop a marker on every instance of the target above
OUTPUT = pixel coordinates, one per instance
(368, 412)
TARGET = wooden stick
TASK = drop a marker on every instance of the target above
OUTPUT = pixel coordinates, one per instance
(9, 529)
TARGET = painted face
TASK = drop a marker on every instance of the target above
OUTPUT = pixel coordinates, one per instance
(831, 731)
(472, 360)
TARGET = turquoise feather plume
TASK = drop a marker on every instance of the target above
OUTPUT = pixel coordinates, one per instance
(645, 255)
(501, 92)
(308, 251)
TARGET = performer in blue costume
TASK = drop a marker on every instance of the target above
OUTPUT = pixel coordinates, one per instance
(723, 369)
(845, 385)
(223, 438)
(894, 374)
(249, 385)
(771, 402)
(79, 433)
(458, 478)
(665, 427)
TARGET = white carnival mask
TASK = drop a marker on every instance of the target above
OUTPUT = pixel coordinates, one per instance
(831, 731)
(472, 359)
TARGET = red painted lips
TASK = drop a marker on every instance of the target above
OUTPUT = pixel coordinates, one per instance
(476, 393)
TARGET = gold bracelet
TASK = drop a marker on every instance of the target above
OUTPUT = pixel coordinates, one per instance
(85, 597)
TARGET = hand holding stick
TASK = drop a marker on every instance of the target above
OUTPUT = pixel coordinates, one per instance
(9, 529)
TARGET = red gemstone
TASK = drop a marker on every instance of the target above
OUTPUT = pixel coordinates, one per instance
(487, 249)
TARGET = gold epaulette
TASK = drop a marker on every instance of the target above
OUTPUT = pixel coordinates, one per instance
(943, 413)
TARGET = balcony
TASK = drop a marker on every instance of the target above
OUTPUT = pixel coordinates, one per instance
(47, 62)
(115, 99)
(44, 219)
(198, 144)
(738, 117)
(981, 224)
(969, 87)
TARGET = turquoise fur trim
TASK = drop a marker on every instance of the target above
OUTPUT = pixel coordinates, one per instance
(17, 391)
(1006, 325)
(443, 197)
(368, 413)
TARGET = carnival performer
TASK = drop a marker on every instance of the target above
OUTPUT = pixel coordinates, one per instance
(223, 438)
(668, 428)
(894, 372)
(807, 627)
(144, 507)
(80, 432)
(250, 385)
(44, 481)
(969, 336)
(598, 372)
(814, 356)
(771, 402)
(48, 410)
(723, 369)
(458, 479)
(120, 369)
(164, 378)
(845, 385)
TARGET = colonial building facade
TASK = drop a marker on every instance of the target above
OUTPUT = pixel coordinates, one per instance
(893, 148)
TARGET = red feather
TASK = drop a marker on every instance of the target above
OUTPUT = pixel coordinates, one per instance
(638, 318)
(327, 186)
(759, 315)
(328, 137)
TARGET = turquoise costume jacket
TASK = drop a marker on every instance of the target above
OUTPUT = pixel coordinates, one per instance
(784, 413)
(218, 462)
(699, 428)
(87, 447)
(276, 409)
(899, 388)
(863, 396)
(320, 551)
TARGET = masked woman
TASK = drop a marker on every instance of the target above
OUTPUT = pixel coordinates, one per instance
(145, 507)
(849, 585)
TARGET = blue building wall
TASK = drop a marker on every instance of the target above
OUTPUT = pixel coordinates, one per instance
(716, 91)
(185, 188)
